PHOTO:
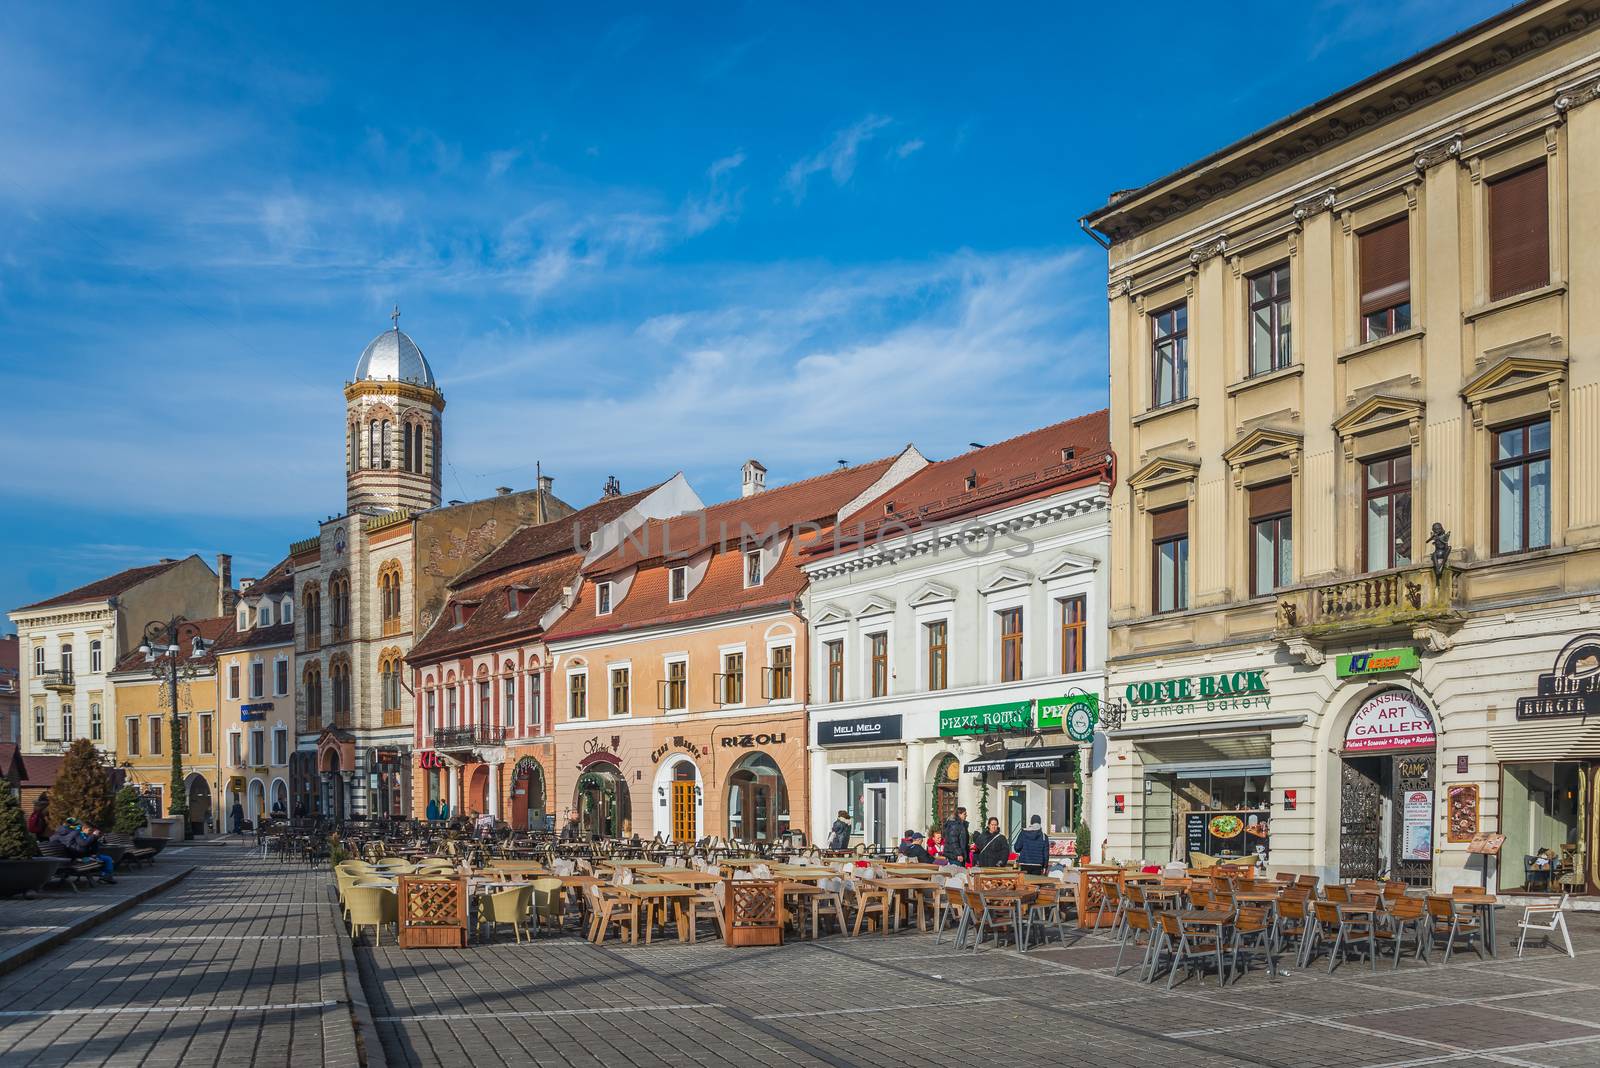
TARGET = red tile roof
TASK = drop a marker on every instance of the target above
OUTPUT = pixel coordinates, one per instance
(100, 589)
(539, 540)
(812, 501)
(212, 630)
(39, 770)
(1026, 467)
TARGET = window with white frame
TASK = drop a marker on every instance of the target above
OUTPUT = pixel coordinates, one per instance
(535, 703)
(675, 684)
(130, 732)
(752, 568)
(67, 733)
(233, 682)
(242, 620)
(509, 699)
(280, 679)
(431, 705)
(578, 695)
(96, 726)
(258, 747)
(280, 746)
(286, 610)
(621, 691)
(96, 655)
(235, 752)
(602, 598)
(678, 583)
(780, 673)
(258, 679)
(38, 660)
(264, 614)
(38, 723)
(205, 733)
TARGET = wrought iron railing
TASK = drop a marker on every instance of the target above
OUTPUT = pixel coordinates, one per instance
(469, 737)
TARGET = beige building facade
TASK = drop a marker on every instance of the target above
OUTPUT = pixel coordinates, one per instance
(1356, 406)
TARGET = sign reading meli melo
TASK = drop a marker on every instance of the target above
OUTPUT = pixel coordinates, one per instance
(1189, 693)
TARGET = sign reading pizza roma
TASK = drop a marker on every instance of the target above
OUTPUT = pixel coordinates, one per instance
(1393, 719)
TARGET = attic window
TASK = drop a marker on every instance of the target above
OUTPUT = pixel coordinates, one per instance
(1068, 454)
(678, 583)
(602, 599)
(888, 508)
(972, 479)
(752, 568)
(513, 601)
(463, 612)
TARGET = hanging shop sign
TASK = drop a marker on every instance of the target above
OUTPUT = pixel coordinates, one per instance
(1418, 827)
(1078, 713)
(859, 731)
(1382, 661)
(1571, 687)
(598, 751)
(258, 711)
(1393, 719)
(1197, 693)
(985, 719)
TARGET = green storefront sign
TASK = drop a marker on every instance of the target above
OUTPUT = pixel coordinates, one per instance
(1078, 713)
(1377, 662)
(985, 719)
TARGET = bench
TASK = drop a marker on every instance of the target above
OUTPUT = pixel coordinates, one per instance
(133, 854)
(75, 870)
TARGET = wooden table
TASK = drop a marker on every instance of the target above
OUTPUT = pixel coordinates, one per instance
(686, 876)
(803, 873)
(787, 887)
(658, 895)
(1485, 905)
(742, 862)
(1214, 918)
(911, 887)
(909, 866)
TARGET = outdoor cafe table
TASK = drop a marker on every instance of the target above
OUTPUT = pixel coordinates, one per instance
(913, 890)
(793, 888)
(686, 876)
(802, 872)
(741, 862)
(1019, 899)
(1486, 905)
(1213, 918)
(657, 896)
(910, 866)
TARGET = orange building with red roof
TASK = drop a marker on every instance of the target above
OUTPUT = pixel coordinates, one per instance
(678, 665)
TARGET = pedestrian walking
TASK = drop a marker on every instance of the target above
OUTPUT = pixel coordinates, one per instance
(1033, 848)
(957, 838)
(839, 835)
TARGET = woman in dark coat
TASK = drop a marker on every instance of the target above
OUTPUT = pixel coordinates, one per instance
(994, 848)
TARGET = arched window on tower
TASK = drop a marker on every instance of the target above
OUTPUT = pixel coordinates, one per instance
(416, 447)
(438, 457)
(405, 447)
(355, 446)
(373, 449)
(384, 437)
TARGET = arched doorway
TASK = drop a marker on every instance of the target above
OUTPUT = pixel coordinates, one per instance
(332, 800)
(280, 798)
(476, 798)
(527, 795)
(604, 810)
(1386, 789)
(199, 801)
(255, 806)
(945, 780)
(758, 800)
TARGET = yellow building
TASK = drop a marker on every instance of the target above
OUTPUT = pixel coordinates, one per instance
(256, 696)
(144, 706)
(1355, 401)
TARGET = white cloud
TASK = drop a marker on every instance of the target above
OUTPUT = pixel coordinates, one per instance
(838, 158)
(907, 148)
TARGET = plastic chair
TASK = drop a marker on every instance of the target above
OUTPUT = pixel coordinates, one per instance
(505, 906)
(1555, 917)
(372, 906)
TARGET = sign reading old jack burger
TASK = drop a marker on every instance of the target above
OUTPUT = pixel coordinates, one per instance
(1572, 687)
(1197, 693)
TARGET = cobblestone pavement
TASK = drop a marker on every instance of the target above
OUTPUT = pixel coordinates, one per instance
(59, 908)
(902, 999)
(238, 964)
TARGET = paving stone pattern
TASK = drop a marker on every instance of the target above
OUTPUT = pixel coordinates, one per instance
(59, 908)
(238, 964)
(902, 999)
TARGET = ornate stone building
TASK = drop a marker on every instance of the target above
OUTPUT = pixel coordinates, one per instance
(364, 583)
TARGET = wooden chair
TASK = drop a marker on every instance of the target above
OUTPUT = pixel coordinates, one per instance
(872, 901)
(1405, 913)
(1290, 920)
(1188, 945)
(1348, 929)
(1448, 922)
(1336, 893)
(1253, 934)
(952, 910)
(828, 903)
(1140, 921)
(997, 916)
(610, 908)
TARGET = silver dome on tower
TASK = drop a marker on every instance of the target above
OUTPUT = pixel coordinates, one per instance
(393, 357)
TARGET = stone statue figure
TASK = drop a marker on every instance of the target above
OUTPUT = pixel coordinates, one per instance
(1439, 538)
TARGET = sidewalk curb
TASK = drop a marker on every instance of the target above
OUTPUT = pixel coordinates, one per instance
(35, 948)
(369, 1047)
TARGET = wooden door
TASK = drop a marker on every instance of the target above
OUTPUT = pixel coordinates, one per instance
(683, 822)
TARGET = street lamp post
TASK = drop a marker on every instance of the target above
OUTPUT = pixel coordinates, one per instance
(164, 655)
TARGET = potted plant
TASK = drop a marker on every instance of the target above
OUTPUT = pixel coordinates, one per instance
(128, 817)
(22, 870)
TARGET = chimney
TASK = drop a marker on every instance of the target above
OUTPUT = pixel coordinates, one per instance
(754, 478)
(502, 491)
(545, 482)
(245, 584)
(224, 583)
(613, 487)
(166, 560)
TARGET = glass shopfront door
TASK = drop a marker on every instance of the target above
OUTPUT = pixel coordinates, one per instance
(1547, 813)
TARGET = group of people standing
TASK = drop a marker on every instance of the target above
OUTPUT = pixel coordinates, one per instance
(953, 843)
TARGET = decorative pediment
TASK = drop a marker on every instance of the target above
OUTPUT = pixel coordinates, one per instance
(877, 605)
(1378, 413)
(1515, 374)
(1262, 443)
(1007, 578)
(1068, 564)
(831, 613)
(1161, 470)
(932, 593)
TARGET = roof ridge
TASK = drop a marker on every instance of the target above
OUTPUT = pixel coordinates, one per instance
(784, 487)
(1026, 433)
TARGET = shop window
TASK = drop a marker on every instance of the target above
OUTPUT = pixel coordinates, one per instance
(1269, 320)
(1387, 513)
(1011, 645)
(857, 786)
(1170, 559)
(835, 669)
(1522, 487)
(1519, 232)
(1541, 815)
(1063, 802)
(1271, 538)
(1220, 813)
(1384, 253)
(1074, 633)
(758, 800)
(936, 635)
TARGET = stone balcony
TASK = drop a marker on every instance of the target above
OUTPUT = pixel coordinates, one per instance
(59, 681)
(461, 739)
(1387, 601)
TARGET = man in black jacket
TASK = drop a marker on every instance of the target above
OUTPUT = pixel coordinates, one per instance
(957, 841)
(1033, 848)
(839, 833)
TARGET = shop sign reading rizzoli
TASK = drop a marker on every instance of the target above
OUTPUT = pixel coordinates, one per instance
(750, 741)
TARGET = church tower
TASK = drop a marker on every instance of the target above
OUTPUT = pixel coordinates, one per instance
(394, 427)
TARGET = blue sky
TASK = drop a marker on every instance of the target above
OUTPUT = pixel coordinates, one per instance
(630, 240)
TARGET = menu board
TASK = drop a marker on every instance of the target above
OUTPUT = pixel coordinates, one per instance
(1463, 802)
(1236, 833)
(1417, 837)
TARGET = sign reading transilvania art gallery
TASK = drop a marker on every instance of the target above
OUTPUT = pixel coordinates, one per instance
(984, 719)
(1571, 687)
(1197, 693)
(1393, 719)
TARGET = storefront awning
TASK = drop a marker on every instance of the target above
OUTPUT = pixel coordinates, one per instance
(1024, 760)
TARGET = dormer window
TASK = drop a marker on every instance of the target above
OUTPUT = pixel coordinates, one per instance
(1068, 454)
(972, 480)
(264, 614)
(286, 610)
(463, 611)
(678, 584)
(602, 599)
(513, 601)
(243, 620)
(752, 568)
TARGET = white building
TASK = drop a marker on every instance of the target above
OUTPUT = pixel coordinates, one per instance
(954, 632)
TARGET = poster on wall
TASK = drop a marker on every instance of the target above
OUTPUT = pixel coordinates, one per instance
(1417, 840)
(1237, 833)
(1463, 802)
(1387, 721)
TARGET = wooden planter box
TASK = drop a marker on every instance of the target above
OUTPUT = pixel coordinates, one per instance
(751, 913)
(433, 912)
(1097, 882)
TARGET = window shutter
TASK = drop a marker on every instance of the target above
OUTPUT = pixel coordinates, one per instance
(1385, 255)
(1519, 233)
(1169, 523)
(1272, 499)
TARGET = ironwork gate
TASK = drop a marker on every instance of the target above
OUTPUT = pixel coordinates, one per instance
(1360, 819)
